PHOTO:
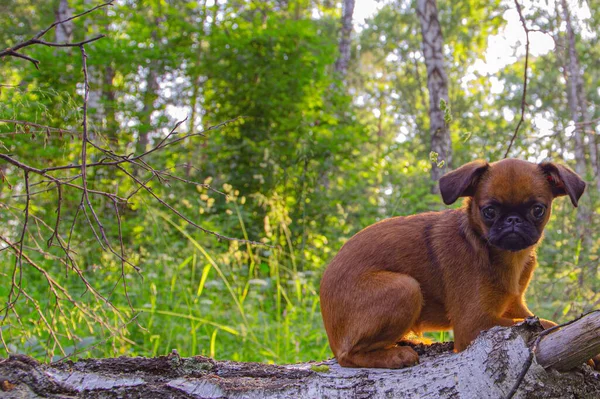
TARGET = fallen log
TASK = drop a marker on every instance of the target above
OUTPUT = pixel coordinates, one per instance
(571, 345)
(492, 367)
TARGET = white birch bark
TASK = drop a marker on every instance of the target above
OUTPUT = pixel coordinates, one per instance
(575, 94)
(437, 84)
(580, 116)
(63, 33)
(489, 368)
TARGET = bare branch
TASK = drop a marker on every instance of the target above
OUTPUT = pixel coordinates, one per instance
(32, 236)
(85, 195)
(121, 158)
(37, 125)
(525, 78)
(13, 51)
(15, 288)
(175, 211)
(58, 207)
(534, 348)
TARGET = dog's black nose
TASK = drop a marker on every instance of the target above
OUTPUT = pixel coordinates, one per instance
(514, 219)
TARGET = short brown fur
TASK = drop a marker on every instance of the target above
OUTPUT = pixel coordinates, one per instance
(437, 271)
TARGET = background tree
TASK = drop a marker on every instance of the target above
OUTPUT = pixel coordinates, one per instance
(341, 64)
(437, 85)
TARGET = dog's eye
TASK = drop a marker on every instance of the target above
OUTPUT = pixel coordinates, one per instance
(489, 213)
(538, 211)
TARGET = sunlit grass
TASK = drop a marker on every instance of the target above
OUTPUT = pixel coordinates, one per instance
(234, 301)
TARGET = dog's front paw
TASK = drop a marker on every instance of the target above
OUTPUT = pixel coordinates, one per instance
(547, 324)
(595, 362)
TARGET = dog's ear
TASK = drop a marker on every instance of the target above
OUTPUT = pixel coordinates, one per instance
(563, 181)
(462, 182)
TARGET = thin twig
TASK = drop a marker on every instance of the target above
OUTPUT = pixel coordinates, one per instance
(87, 348)
(122, 247)
(84, 143)
(525, 78)
(122, 159)
(57, 289)
(533, 348)
(16, 285)
(58, 208)
(39, 311)
(182, 216)
(51, 177)
(37, 125)
(13, 51)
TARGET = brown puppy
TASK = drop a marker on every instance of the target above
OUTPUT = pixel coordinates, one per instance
(464, 269)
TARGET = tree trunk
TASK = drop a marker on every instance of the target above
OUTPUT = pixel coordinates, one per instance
(579, 114)
(437, 84)
(341, 65)
(146, 114)
(195, 148)
(63, 32)
(197, 80)
(575, 94)
(593, 149)
(109, 95)
(150, 96)
(490, 368)
(95, 103)
(556, 349)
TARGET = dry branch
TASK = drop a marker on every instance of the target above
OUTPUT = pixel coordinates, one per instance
(571, 345)
(487, 369)
(53, 177)
(37, 39)
(525, 78)
(582, 326)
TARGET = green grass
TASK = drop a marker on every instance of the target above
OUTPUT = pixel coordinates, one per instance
(227, 301)
(234, 302)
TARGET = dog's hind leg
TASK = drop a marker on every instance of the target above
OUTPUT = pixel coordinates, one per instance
(378, 312)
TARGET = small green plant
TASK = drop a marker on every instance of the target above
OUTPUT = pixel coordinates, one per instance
(433, 157)
(445, 107)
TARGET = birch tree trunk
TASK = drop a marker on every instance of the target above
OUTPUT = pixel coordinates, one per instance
(579, 115)
(498, 363)
(95, 103)
(437, 84)
(63, 32)
(575, 94)
(341, 65)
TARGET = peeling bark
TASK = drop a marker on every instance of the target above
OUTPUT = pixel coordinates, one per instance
(487, 369)
(556, 350)
(437, 84)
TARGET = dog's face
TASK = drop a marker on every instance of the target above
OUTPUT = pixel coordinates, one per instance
(511, 199)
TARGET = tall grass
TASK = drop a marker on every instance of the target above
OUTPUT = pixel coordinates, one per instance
(238, 302)
(248, 303)
(233, 301)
